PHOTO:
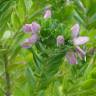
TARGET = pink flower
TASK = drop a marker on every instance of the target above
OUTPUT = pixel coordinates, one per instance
(31, 28)
(80, 40)
(35, 27)
(71, 57)
(47, 14)
(29, 41)
(27, 28)
(77, 40)
(60, 40)
(75, 30)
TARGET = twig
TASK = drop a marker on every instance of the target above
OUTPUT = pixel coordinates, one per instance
(7, 77)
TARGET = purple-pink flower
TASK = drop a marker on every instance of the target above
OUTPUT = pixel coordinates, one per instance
(31, 28)
(80, 40)
(77, 40)
(35, 27)
(29, 41)
(27, 28)
(60, 40)
(47, 14)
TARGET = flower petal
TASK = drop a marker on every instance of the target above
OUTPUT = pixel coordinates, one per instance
(80, 40)
(75, 30)
(34, 38)
(80, 52)
(27, 28)
(71, 57)
(35, 27)
(26, 43)
(29, 41)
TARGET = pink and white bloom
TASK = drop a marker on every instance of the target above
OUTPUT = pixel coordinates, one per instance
(47, 14)
(60, 40)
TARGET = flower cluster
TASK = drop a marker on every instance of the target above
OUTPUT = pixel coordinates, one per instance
(77, 40)
(34, 29)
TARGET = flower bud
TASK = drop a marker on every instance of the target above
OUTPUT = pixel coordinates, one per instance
(60, 40)
(47, 14)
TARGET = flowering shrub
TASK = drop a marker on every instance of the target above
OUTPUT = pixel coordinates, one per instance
(47, 48)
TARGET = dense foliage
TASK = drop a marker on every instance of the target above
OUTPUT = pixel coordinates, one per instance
(42, 68)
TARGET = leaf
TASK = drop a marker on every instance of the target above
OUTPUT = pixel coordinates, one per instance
(31, 80)
(28, 4)
(88, 84)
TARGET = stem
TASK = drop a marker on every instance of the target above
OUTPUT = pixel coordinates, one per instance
(7, 77)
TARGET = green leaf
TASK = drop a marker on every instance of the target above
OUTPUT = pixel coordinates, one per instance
(88, 84)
